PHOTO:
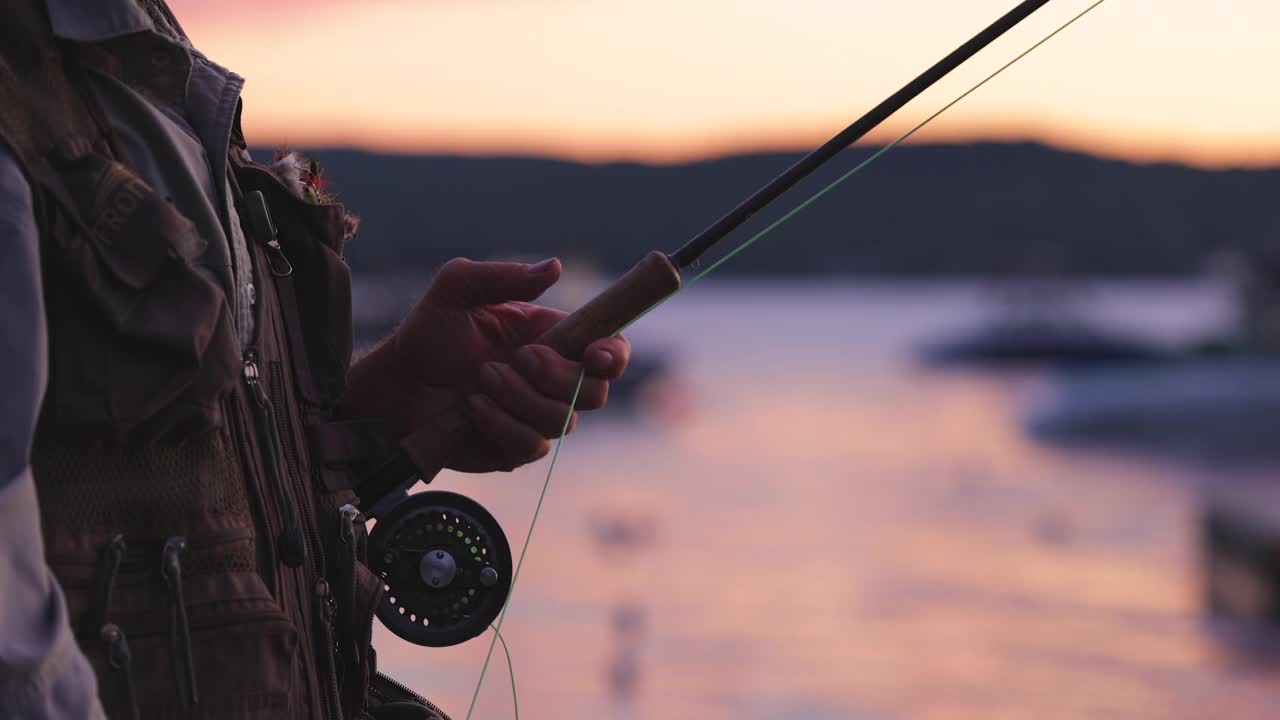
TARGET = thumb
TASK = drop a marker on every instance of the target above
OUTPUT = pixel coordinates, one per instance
(466, 283)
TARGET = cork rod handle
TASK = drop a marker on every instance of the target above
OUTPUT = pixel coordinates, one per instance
(643, 286)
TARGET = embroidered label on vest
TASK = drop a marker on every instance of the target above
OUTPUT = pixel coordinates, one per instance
(119, 195)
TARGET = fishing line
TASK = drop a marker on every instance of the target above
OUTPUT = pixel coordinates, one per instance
(859, 167)
(703, 273)
(511, 670)
(524, 550)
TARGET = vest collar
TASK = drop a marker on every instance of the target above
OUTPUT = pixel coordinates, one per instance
(119, 38)
(91, 21)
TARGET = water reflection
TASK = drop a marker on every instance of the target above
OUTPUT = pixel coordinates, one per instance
(837, 533)
(624, 664)
(624, 535)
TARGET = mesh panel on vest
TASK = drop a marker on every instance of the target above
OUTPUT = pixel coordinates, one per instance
(153, 492)
(238, 558)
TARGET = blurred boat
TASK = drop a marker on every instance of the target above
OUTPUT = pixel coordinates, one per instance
(1038, 321)
(1038, 343)
(1220, 410)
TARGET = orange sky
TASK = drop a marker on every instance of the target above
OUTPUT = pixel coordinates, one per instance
(662, 80)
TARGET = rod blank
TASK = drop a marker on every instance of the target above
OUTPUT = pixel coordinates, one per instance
(691, 251)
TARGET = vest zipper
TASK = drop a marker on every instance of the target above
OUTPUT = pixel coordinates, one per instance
(324, 594)
(348, 514)
(402, 688)
(292, 543)
(349, 517)
(328, 610)
(272, 420)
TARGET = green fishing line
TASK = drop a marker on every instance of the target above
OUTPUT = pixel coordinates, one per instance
(524, 550)
(858, 168)
(511, 670)
(708, 270)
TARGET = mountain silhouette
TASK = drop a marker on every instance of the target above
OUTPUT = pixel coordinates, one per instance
(978, 209)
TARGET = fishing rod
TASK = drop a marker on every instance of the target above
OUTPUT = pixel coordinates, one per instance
(658, 275)
(444, 559)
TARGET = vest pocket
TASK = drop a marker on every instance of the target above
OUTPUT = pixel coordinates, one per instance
(314, 284)
(243, 653)
(139, 337)
(244, 668)
(183, 627)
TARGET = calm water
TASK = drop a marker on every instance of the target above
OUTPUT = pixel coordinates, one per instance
(821, 529)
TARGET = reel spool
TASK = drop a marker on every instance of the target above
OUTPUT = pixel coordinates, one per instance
(445, 566)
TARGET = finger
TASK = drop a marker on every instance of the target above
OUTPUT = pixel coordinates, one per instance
(516, 443)
(523, 402)
(526, 321)
(607, 357)
(466, 283)
(555, 376)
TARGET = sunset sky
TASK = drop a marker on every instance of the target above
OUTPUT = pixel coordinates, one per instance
(663, 80)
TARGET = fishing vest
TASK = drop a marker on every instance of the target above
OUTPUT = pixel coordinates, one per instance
(195, 498)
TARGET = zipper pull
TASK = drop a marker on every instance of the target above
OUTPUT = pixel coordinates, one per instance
(264, 229)
(291, 544)
(280, 265)
(349, 513)
(171, 562)
(118, 648)
(121, 661)
(350, 516)
(171, 571)
(253, 379)
(328, 609)
(327, 604)
(112, 557)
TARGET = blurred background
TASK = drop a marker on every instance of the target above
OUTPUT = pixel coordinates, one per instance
(989, 432)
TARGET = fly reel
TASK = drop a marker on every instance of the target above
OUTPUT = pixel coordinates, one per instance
(445, 566)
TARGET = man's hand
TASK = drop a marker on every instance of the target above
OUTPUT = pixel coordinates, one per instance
(468, 339)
